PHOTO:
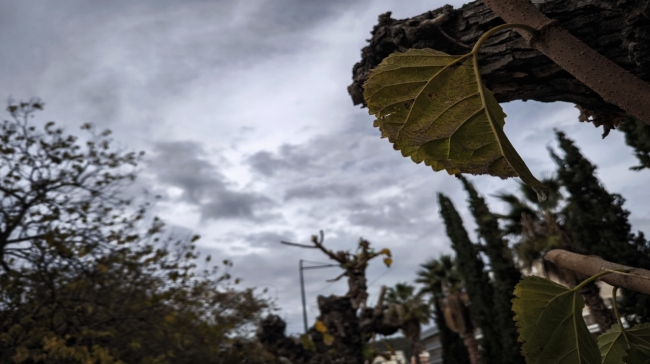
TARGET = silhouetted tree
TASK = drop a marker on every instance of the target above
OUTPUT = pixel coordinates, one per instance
(477, 284)
(505, 273)
(597, 221)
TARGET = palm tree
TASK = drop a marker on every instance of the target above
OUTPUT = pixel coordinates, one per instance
(443, 282)
(411, 310)
(539, 227)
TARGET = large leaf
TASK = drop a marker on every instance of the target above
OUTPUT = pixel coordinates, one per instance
(434, 108)
(551, 327)
(614, 345)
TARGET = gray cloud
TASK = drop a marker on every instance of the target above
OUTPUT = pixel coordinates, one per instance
(182, 165)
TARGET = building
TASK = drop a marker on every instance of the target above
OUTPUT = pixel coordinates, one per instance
(430, 339)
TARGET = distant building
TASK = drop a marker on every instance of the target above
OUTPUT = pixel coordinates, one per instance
(397, 358)
(430, 339)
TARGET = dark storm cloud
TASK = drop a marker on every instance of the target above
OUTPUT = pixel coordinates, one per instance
(321, 191)
(182, 165)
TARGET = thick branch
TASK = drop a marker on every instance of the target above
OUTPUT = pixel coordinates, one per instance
(618, 30)
(635, 279)
(613, 83)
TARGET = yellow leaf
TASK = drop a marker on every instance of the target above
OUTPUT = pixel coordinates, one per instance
(170, 318)
(385, 251)
(320, 326)
(328, 339)
(388, 261)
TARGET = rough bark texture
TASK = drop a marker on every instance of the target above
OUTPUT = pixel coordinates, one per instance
(472, 347)
(636, 279)
(599, 311)
(619, 30)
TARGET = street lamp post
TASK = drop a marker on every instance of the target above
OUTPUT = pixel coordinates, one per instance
(302, 284)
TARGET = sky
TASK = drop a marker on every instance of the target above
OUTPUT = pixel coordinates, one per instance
(251, 138)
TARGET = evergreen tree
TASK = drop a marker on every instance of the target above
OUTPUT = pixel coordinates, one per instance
(440, 278)
(538, 227)
(597, 221)
(637, 136)
(453, 348)
(477, 283)
(505, 273)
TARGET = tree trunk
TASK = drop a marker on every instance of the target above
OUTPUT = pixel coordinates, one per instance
(472, 347)
(618, 30)
(599, 311)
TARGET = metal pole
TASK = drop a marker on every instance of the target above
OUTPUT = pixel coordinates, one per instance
(302, 291)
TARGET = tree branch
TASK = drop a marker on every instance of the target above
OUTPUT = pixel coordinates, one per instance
(635, 278)
(613, 83)
(511, 69)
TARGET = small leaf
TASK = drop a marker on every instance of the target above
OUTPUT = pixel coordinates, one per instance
(614, 345)
(388, 262)
(307, 343)
(385, 251)
(328, 339)
(320, 326)
(434, 108)
(550, 324)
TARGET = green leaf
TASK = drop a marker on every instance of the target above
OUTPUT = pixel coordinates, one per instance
(307, 343)
(434, 108)
(551, 327)
(633, 347)
(638, 355)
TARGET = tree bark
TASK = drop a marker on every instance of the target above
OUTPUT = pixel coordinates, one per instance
(618, 30)
(597, 308)
(472, 347)
(636, 279)
(613, 83)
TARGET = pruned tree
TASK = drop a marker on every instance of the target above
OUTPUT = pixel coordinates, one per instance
(345, 324)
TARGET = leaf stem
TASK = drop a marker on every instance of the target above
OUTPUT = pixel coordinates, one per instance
(534, 32)
(591, 279)
(618, 317)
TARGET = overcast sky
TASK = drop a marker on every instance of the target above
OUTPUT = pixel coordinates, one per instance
(250, 135)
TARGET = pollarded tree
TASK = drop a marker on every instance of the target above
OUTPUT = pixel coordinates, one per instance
(440, 278)
(477, 283)
(345, 324)
(502, 266)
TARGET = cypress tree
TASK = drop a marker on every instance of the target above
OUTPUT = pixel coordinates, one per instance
(637, 136)
(505, 274)
(453, 348)
(477, 283)
(597, 221)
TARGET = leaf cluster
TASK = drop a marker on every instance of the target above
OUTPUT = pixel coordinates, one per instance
(552, 329)
(85, 278)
